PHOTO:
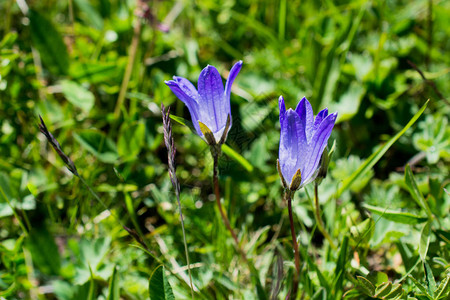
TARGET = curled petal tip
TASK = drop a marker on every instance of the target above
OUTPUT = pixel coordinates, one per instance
(333, 115)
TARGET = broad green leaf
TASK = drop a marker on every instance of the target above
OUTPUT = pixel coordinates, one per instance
(114, 289)
(159, 287)
(90, 260)
(183, 122)
(396, 216)
(429, 278)
(377, 278)
(395, 292)
(424, 240)
(367, 287)
(49, 43)
(98, 144)
(131, 140)
(414, 190)
(78, 95)
(349, 102)
(376, 156)
(383, 289)
(63, 290)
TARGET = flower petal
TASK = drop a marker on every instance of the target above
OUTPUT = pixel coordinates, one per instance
(317, 145)
(319, 118)
(293, 145)
(233, 73)
(187, 87)
(282, 107)
(305, 111)
(191, 103)
(212, 107)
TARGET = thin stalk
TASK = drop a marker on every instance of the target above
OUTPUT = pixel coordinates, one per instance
(288, 197)
(133, 233)
(129, 68)
(430, 34)
(177, 191)
(171, 151)
(319, 218)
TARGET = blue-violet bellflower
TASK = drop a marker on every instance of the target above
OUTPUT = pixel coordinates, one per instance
(303, 138)
(209, 106)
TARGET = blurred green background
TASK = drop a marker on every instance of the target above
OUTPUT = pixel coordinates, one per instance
(375, 62)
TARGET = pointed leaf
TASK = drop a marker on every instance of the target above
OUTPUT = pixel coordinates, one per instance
(376, 156)
(113, 290)
(367, 287)
(429, 277)
(237, 157)
(414, 190)
(183, 122)
(396, 216)
(159, 287)
(424, 240)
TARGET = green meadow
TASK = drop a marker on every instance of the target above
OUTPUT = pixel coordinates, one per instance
(88, 209)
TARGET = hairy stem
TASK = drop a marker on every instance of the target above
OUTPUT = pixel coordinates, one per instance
(319, 218)
(215, 151)
(288, 197)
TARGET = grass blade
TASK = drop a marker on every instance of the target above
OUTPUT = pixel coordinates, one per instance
(376, 156)
(415, 192)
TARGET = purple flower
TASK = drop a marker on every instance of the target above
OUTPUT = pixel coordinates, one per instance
(302, 141)
(210, 105)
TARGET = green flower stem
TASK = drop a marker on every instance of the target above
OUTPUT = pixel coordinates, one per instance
(288, 197)
(129, 69)
(319, 219)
